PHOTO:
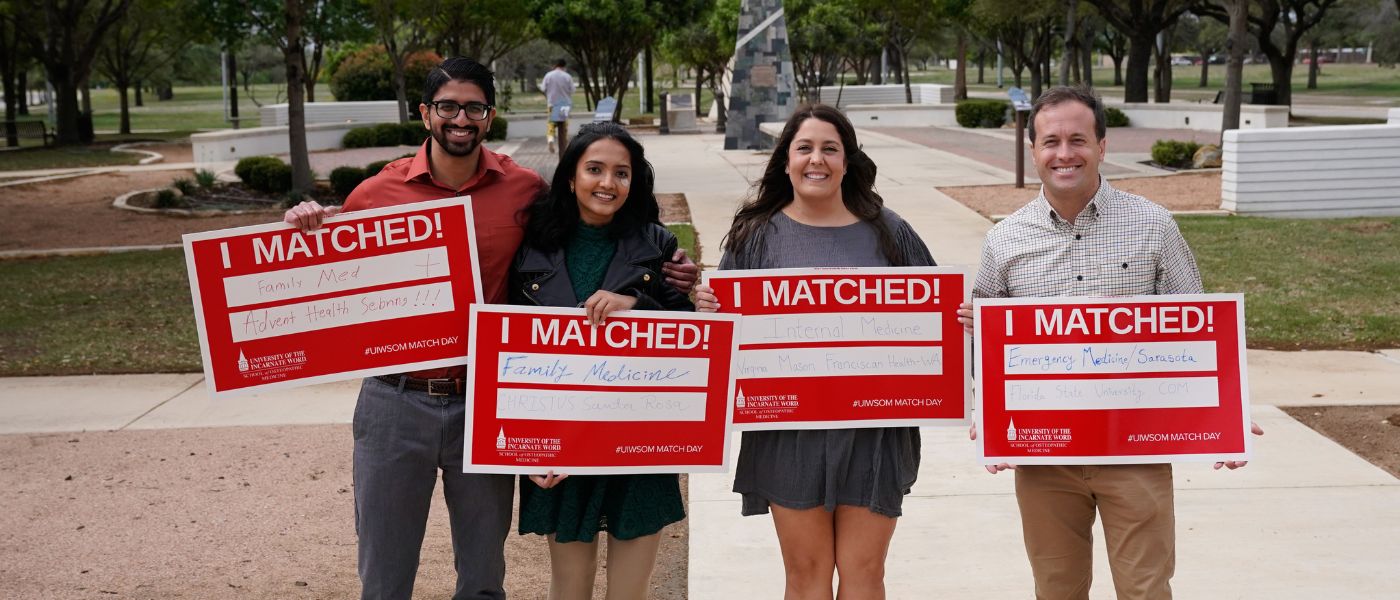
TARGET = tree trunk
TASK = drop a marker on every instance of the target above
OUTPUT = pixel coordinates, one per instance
(904, 67)
(648, 101)
(86, 88)
(699, 78)
(1045, 69)
(1139, 60)
(296, 110)
(400, 93)
(1037, 79)
(23, 93)
(1071, 41)
(139, 101)
(981, 67)
(233, 89)
(11, 99)
(960, 77)
(125, 127)
(1117, 70)
(1205, 71)
(1086, 50)
(65, 105)
(1312, 65)
(1234, 68)
(315, 71)
(1282, 71)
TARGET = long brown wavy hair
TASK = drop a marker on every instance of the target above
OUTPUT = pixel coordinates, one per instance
(775, 188)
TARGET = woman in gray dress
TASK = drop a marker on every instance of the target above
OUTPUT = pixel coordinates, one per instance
(834, 493)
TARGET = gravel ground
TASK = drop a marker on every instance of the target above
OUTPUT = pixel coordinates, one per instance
(236, 512)
(1178, 192)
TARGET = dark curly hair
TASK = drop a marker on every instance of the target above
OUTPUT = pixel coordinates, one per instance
(553, 216)
(775, 188)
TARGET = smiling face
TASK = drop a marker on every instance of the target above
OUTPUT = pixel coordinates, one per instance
(458, 136)
(601, 181)
(816, 161)
(1067, 152)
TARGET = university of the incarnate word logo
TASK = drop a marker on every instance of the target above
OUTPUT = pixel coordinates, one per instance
(242, 362)
(739, 400)
(1011, 431)
(501, 440)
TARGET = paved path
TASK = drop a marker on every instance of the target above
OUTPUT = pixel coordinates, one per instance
(1307, 519)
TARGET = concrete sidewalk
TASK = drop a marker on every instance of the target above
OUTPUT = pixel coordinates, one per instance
(1307, 519)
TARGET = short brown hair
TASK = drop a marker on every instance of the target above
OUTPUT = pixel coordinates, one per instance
(1069, 93)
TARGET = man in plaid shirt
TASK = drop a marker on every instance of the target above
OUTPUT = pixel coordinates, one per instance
(1082, 237)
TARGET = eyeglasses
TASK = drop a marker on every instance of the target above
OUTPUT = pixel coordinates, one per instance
(448, 109)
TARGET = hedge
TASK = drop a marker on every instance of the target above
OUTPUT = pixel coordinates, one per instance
(345, 179)
(367, 74)
(982, 113)
(265, 174)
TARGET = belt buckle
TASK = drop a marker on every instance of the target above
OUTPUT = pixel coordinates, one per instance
(449, 385)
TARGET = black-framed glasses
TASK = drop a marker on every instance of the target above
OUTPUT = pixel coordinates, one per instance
(448, 109)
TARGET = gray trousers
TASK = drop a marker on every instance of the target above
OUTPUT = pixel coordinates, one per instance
(402, 439)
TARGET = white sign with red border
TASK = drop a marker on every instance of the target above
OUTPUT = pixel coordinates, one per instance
(1143, 379)
(645, 392)
(849, 347)
(371, 292)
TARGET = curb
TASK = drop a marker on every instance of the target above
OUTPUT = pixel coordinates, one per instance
(122, 203)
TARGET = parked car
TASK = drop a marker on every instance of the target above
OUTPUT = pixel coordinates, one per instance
(1182, 61)
(1322, 59)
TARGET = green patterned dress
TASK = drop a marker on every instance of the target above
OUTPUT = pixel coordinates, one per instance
(625, 506)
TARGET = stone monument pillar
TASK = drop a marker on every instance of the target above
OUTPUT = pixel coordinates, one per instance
(763, 88)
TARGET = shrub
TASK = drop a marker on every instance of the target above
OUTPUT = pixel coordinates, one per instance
(244, 168)
(411, 133)
(360, 137)
(186, 186)
(205, 178)
(981, 113)
(1114, 117)
(1173, 153)
(375, 167)
(498, 129)
(293, 198)
(345, 179)
(272, 177)
(168, 198)
(367, 74)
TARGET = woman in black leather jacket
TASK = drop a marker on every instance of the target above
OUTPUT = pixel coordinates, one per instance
(594, 240)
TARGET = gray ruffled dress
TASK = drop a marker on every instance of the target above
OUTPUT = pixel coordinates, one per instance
(872, 467)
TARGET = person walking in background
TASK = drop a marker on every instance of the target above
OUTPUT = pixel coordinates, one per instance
(594, 240)
(835, 494)
(558, 87)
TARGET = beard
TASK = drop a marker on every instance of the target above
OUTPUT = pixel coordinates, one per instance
(457, 148)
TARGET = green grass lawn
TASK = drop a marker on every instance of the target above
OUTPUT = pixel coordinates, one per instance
(67, 157)
(685, 235)
(117, 313)
(1314, 284)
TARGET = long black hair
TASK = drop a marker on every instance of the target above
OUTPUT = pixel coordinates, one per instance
(775, 188)
(553, 216)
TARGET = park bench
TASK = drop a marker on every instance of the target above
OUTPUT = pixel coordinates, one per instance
(27, 129)
(604, 110)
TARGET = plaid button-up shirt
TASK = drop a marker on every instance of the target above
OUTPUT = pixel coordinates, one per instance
(1119, 245)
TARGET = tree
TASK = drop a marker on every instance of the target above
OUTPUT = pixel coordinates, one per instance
(816, 33)
(604, 37)
(328, 21)
(906, 23)
(402, 26)
(66, 40)
(283, 25)
(228, 23)
(151, 35)
(485, 30)
(1027, 33)
(1237, 16)
(13, 60)
(706, 46)
(1205, 36)
(1071, 50)
(1277, 26)
(1113, 43)
(1140, 21)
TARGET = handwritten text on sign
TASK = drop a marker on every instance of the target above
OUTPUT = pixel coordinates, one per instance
(824, 348)
(267, 293)
(645, 392)
(1090, 381)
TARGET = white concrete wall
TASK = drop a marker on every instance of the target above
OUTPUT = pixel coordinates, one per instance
(1199, 116)
(233, 144)
(1316, 172)
(923, 93)
(902, 115)
(1394, 117)
(378, 111)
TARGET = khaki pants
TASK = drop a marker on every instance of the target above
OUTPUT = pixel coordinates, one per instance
(1058, 506)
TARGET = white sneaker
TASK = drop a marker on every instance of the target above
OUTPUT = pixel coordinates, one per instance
(551, 147)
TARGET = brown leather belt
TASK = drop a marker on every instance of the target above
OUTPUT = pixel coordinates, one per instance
(434, 387)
